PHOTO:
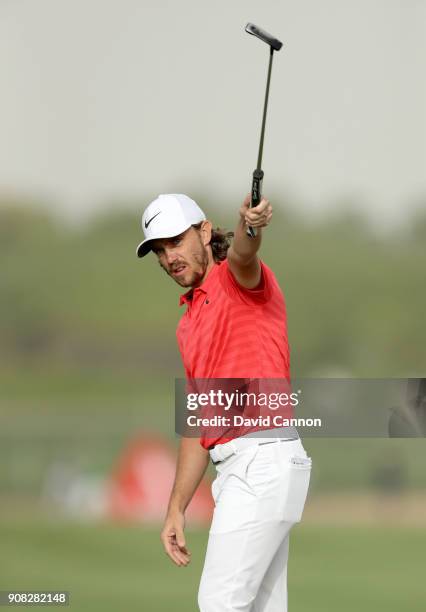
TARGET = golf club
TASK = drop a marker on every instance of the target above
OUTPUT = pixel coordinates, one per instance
(256, 188)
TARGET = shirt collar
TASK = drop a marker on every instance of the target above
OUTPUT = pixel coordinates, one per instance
(186, 298)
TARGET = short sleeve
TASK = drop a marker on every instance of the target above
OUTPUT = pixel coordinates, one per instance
(260, 295)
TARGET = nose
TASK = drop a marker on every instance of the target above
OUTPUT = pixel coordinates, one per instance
(171, 255)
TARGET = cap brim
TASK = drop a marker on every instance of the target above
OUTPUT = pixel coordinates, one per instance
(144, 248)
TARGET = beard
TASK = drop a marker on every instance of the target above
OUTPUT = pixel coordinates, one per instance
(195, 268)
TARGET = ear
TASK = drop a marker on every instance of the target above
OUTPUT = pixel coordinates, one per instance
(206, 232)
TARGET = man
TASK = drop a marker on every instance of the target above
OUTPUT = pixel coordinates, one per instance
(234, 327)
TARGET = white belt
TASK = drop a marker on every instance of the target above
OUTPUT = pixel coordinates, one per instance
(223, 451)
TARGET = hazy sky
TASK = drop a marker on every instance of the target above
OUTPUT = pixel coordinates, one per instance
(105, 99)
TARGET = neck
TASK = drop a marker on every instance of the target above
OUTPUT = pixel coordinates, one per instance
(210, 265)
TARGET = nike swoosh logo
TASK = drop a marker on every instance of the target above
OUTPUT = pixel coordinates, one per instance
(152, 218)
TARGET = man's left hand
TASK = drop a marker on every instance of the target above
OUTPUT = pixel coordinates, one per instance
(259, 216)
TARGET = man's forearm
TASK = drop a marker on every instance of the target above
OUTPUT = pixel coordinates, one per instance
(242, 254)
(243, 246)
(192, 463)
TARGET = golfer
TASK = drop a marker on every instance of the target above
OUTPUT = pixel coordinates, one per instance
(234, 326)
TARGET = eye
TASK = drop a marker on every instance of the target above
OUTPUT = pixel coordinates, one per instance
(176, 241)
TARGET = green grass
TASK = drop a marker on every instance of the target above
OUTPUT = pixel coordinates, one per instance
(357, 568)
(110, 568)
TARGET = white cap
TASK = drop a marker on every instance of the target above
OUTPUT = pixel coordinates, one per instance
(167, 216)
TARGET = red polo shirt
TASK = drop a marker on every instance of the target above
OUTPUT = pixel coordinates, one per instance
(229, 331)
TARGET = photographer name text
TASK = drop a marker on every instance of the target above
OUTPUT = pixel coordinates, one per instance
(241, 421)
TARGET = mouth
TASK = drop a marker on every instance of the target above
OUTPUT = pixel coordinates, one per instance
(179, 270)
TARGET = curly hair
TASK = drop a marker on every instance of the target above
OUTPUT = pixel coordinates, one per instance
(219, 242)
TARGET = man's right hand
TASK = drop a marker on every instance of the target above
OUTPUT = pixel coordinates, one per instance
(192, 463)
(173, 539)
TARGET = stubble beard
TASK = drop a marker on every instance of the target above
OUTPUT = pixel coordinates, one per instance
(197, 269)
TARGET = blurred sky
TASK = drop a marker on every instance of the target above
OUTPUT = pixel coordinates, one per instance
(104, 100)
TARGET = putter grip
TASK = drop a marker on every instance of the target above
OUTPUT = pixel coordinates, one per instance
(256, 196)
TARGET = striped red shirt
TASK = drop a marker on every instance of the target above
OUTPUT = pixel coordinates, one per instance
(229, 331)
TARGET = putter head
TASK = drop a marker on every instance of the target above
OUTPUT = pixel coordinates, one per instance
(270, 40)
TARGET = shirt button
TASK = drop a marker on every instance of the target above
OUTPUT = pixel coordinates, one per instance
(207, 302)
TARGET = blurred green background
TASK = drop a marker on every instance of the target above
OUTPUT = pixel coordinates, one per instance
(88, 359)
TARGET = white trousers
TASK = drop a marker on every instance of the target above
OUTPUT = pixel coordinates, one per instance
(259, 495)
